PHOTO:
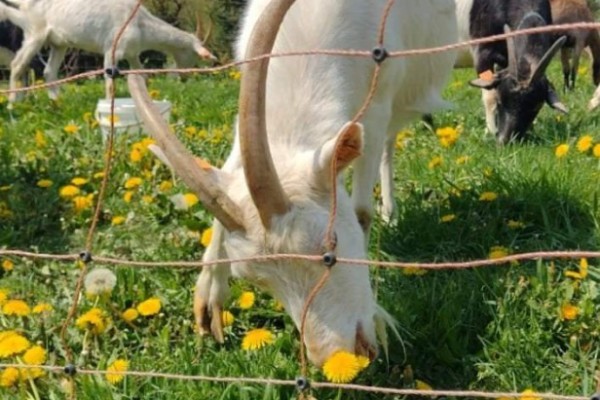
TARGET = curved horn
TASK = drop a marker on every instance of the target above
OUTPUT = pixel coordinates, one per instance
(261, 177)
(540, 68)
(512, 53)
(202, 182)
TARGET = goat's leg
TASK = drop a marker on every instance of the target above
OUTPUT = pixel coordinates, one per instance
(109, 65)
(57, 55)
(20, 64)
(490, 103)
(212, 288)
(386, 172)
(575, 57)
(366, 169)
(565, 59)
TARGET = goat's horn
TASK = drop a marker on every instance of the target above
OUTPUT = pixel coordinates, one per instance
(512, 52)
(261, 177)
(203, 183)
(540, 68)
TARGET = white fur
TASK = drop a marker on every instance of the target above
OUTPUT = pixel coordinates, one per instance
(92, 26)
(309, 99)
(463, 10)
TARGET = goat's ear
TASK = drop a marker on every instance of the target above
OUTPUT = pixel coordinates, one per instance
(344, 148)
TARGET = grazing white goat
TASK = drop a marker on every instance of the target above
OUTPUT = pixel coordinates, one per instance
(93, 26)
(274, 192)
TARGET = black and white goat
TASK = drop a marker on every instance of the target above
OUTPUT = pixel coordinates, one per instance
(92, 26)
(511, 72)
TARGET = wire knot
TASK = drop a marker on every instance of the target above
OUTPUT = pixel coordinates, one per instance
(70, 369)
(329, 259)
(302, 384)
(379, 54)
(112, 72)
(85, 256)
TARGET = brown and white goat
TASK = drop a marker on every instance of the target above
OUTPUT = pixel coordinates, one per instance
(274, 192)
(571, 11)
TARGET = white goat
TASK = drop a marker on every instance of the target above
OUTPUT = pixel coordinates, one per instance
(93, 26)
(274, 192)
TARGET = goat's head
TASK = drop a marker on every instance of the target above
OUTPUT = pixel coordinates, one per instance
(273, 205)
(188, 57)
(522, 88)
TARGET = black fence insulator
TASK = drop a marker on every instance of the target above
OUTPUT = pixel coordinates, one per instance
(379, 54)
(85, 256)
(112, 72)
(302, 384)
(329, 259)
(595, 396)
(70, 369)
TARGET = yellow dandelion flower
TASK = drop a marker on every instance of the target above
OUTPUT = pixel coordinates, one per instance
(127, 196)
(81, 203)
(12, 343)
(16, 307)
(93, 320)
(165, 186)
(497, 252)
(561, 150)
(414, 271)
(117, 220)
(257, 338)
(206, 237)
(190, 131)
(154, 93)
(149, 307)
(227, 318)
(246, 300)
(569, 312)
(44, 183)
(512, 224)
(42, 308)
(135, 155)
(3, 296)
(71, 128)
(28, 374)
(596, 151)
(190, 199)
(584, 143)
(488, 196)
(68, 191)
(448, 218)
(133, 182)
(421, 385)
(35, 355)
(115, 371)
(78, 181)
(529, 394)
(583, 267)
(363, 362)
(435, 162)
(9, 377)
(235, 74)
(341, 367)
(40, 139)
(8, 265)
(130, 314)
(447, 136)
(99, 175)
(147, 199)
(462, 160)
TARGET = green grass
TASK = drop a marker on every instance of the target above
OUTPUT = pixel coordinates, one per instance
(495, 328)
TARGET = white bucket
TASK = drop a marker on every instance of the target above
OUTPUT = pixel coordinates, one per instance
(126, 118)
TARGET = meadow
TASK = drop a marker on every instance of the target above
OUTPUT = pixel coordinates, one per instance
(529, 326)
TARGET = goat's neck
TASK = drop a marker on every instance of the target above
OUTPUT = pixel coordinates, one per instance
(164, 37)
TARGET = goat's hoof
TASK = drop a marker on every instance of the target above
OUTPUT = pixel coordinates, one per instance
(208, 319)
